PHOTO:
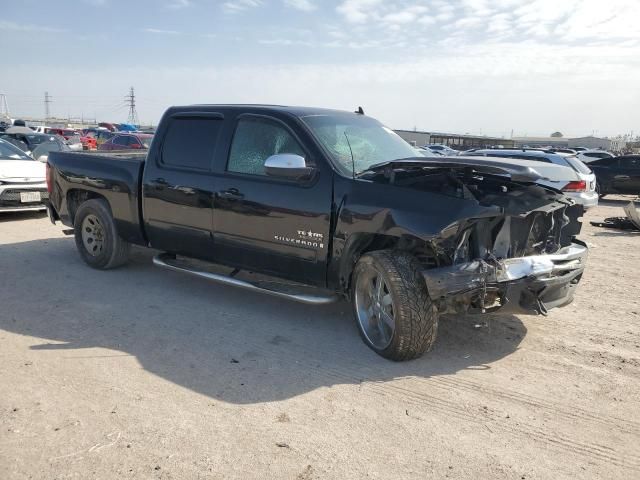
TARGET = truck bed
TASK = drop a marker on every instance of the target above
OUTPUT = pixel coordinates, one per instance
(114, 175)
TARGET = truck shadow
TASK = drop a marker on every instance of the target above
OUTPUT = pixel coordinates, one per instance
(229, 344)
(22, 216)
(616, 201)
(610, 232)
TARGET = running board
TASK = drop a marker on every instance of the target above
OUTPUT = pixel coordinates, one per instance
(164, 261)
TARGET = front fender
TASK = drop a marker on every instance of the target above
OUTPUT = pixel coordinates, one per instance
(373, 216)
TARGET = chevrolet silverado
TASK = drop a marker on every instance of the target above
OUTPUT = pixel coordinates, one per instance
(328, 204)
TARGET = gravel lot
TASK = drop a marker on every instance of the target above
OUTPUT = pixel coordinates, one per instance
(144, 373)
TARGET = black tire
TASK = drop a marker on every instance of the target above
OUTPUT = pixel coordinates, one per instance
(114, 251)
(599, 190)
(415, 315)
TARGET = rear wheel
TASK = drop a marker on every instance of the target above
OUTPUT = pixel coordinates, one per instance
(393, 310)
(96, 236)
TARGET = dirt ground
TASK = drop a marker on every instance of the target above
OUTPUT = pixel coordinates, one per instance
(144, 373)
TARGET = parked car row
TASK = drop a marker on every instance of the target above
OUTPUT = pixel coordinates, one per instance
(578, 181)
(127, 141)
(74, 136)
(28, 142)
(590, 174)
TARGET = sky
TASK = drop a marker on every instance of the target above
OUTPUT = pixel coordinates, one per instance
(489, 67)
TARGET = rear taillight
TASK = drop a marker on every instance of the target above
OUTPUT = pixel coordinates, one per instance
(577, 186)
(49, 178)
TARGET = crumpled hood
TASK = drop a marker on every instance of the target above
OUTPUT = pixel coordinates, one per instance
(22, 171)
(517, 170)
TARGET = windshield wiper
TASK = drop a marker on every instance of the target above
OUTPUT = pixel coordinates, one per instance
(373, 168)
(377, 166)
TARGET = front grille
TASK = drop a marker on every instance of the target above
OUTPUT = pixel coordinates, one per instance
(11, 197)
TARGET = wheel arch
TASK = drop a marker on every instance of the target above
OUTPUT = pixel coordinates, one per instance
(360, 244)
(77, 196)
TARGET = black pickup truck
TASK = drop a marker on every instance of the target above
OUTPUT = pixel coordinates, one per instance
(332, 204)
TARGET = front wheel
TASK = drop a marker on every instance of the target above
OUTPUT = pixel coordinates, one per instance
(393, 310)
(96, 236)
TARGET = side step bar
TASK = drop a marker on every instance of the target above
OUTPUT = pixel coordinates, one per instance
(164, 261)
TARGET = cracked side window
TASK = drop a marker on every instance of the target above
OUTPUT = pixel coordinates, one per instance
(254, 141)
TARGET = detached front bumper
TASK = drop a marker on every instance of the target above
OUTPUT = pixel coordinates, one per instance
(532, 284)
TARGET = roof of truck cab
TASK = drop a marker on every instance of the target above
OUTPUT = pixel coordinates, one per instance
(293, 110)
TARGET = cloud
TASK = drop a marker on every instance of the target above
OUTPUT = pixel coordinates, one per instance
(235, 6)
(178, 4)
(302, 5)
(407, 15)
(358, 11)
(580, 58)
(161, 31)
(459, 22)
(483, 81)
(285, 42)
(27, 27)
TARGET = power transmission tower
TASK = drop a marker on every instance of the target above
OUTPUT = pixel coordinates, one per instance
(47, 102)
(4, 107)
(131, 101)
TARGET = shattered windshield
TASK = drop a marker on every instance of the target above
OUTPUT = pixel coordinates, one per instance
(356, 142)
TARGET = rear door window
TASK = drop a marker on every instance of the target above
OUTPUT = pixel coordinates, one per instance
(596, 155)
(121, 140)
(190, 142)
(604, 162)
(577, 165)
(632, 163)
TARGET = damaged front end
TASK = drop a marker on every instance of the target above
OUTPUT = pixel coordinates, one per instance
(525, 261)
(518, 253)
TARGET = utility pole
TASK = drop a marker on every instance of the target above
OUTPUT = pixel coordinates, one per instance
(47, 102)
(131, 101)
(4, 107)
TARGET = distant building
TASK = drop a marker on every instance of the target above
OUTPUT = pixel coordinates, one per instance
(453, 140)
(558, 142)
(590, 142)
(561, 142)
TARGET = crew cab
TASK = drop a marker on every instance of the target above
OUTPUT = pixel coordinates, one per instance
(337, 205)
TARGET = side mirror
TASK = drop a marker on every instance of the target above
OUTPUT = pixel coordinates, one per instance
(287, 165)
(43, 158)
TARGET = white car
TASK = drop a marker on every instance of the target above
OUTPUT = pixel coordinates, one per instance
(441, 150)
(22, 180)
(576, 179)
(425, 152)
(587, 156)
